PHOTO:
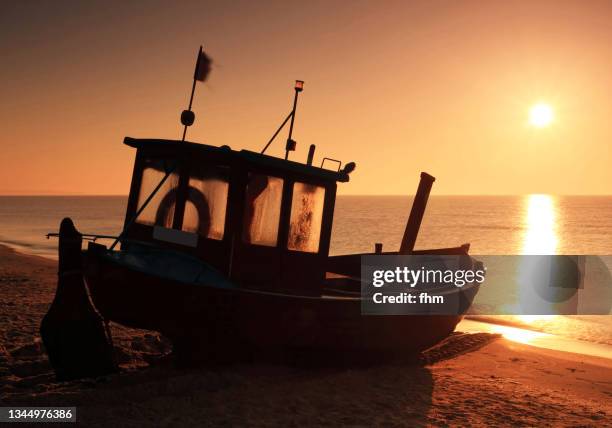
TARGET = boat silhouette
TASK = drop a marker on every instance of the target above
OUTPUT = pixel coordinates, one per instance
(226, 253)
(251, 267)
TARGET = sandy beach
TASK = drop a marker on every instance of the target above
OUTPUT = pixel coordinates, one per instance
(470, 379)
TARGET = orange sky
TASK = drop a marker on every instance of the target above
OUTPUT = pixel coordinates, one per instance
(398, 87)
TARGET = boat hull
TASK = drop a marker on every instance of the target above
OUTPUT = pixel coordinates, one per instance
(218, 320)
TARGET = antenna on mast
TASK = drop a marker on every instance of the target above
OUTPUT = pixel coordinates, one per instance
(290, 146)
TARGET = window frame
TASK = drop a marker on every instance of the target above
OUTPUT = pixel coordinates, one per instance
(185, 193)
(242, 230)
(136, 203)
(322, 218)
(141, 231)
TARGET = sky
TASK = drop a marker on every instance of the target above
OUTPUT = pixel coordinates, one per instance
(397, 87)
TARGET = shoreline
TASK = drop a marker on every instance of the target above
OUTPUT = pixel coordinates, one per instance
(469, 379)
(22, 249)
(538, 339)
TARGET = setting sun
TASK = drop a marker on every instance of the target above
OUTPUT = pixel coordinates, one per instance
(540, 115)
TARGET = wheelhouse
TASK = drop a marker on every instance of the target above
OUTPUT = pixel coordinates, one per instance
(264, 222)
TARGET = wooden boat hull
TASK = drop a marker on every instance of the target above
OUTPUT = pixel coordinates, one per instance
(217, 319)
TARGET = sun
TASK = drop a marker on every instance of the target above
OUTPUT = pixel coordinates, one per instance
(541, 115)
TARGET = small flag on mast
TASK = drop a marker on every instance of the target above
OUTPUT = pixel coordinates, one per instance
(202, 68)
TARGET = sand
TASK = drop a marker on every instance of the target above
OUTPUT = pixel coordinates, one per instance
(470, 379)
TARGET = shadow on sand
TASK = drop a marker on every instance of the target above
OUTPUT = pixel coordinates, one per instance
(307, 392)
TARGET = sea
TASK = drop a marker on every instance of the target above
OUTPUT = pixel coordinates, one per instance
(493, 225)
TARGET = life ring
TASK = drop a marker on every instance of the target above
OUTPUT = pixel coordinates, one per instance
(196, 197)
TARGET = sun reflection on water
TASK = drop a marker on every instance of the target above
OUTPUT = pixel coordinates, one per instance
(541, 235)
(540, 238)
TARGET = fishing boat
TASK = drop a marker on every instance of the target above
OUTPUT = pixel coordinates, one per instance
(226, 252)
(233, 251)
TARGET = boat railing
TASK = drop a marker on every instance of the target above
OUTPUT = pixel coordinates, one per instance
(87, 236)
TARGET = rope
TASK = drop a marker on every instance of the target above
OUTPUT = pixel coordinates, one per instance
(108, 333)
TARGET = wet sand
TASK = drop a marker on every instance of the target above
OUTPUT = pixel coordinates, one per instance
(470, 379)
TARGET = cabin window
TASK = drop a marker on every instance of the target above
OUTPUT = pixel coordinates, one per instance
(306, 217)
(262, 210)
(160, 210)
(206, 202)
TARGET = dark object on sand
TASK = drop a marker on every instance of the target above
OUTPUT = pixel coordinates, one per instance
(72, 331)
(226, 253)
(250, 271)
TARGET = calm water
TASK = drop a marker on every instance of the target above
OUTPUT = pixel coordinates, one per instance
(535, 224)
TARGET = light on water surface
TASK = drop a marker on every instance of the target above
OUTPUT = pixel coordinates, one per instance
(540, 238)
